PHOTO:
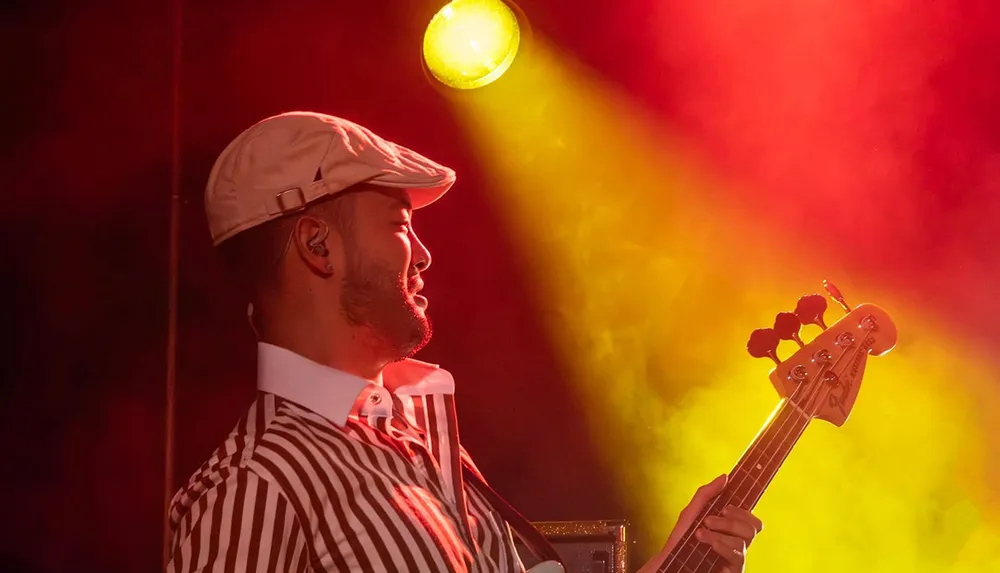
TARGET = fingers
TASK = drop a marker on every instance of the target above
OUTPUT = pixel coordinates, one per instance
(741, 530)
(728, 534)
(735, 522)
(743, 515)
(706, 492)
(688, 515)
(732, 549)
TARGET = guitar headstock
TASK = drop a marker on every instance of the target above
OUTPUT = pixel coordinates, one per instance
(823, 376)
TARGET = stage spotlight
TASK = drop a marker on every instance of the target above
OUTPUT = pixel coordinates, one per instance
(471, 43)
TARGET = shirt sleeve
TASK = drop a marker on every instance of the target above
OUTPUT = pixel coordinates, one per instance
(241, 524)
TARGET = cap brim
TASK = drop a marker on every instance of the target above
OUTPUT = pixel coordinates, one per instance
(423, 194)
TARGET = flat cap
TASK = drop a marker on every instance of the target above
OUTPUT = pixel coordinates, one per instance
(283, 163)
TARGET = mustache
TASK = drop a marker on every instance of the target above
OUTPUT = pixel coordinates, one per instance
(414, 285)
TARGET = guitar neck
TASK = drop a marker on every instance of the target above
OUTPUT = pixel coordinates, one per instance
(747, 481)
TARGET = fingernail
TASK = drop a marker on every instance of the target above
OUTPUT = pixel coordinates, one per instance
(725, 510)
(700, 534)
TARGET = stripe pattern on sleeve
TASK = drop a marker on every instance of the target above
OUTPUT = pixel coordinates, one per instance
(291, 491)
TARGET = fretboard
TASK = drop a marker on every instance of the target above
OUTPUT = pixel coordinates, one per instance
(747, 482)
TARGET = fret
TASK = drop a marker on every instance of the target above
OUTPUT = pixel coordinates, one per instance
(760, 462)
(747, 482)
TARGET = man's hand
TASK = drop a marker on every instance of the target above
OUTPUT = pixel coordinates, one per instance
(729, 534)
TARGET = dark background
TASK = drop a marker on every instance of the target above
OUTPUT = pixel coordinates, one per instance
(87, 148)
(86, 170)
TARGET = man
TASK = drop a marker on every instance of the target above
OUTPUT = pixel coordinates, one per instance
(349, 459)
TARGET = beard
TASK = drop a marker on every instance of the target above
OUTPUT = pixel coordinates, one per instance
(377, 299)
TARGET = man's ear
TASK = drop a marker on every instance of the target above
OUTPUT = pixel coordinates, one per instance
(316, 245)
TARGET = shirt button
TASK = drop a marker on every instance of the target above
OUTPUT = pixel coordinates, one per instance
(375, 398)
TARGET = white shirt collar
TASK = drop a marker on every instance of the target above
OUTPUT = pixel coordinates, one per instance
(332, 393)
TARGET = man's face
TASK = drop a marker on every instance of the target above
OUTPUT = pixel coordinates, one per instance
(383, 260)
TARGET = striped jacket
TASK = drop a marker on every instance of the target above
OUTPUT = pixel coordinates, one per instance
(328, 472)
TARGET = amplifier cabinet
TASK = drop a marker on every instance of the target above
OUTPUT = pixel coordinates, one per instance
(585, 546)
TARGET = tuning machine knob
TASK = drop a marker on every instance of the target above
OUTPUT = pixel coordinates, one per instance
(810, 310)
(763, 343)
(787, 325)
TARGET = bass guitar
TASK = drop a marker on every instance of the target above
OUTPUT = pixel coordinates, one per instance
(820, 380)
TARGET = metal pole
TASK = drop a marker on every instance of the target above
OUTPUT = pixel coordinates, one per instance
(174, 248)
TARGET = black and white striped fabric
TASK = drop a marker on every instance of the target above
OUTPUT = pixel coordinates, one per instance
(292, 490)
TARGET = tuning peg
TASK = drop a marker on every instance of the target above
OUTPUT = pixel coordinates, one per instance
(834, 293)
(810, 310)
(764, 343)
(787, 325)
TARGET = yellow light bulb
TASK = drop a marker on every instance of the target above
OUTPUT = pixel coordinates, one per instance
(471, 43)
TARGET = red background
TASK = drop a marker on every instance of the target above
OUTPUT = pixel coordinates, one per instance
(87, 169)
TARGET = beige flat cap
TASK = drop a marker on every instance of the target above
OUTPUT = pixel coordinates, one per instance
(285, 162)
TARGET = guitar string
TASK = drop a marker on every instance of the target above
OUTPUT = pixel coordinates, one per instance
(783, 409)
(817, 388)
(809, 410)
(781, 434)
(829, 390)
